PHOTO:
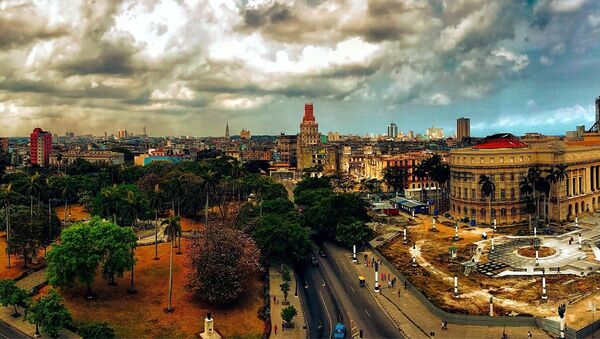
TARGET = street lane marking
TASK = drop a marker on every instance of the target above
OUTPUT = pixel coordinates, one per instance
(327, 312)
(368, 313)
(352, 289)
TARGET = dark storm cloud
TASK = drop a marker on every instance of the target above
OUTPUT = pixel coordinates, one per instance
(111, 59)
(20, 26)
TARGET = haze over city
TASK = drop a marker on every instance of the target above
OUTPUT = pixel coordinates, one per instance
(187, 67)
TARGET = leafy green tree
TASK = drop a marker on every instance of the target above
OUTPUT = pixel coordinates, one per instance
(86, 247)
(395, 177)
(96, 330)
(26, 234)
(312, 183)
(266, 187)
(11, 294)
(309, 198)
(50, 314)
(277, 206)
(209, 183)
(221, 261)
(325, 216)
(282, 237)
(352, 233)
(288, 313)
(117, 243)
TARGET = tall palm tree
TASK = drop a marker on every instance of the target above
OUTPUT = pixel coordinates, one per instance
(6, 201)
(111, 202)
(32, 187)
(236, 172)
(487, 189)
(421, 172)
(69, 191)
(560, 174)
(533, 174)
(172, 229)
(209, 182)
(156, 203)
(543, 185)
(526, 189)
(440, 173)
(132, 207)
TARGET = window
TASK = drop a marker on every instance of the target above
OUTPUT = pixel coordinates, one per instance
(491, 160)
(512, 159)
(466, 193)
(521, 159)
(502, 177)
(501, 160)
(512, 194)
(512, 177)
(473, 194)
(513, 212)
(481, 161)
(472, 160)
(503, 212)
(502, 194)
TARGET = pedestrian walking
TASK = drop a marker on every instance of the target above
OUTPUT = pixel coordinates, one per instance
(282, 327)
(529, 335)
(389, 284)
(275, 329)
(405, 284)
(275, 300)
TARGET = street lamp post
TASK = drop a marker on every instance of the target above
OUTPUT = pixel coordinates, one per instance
(576, 222)
(535, 230)
(354, 260)
(456, 286)
(579, 241)
(492, 245)
(376, 277)
(404, 241)
(536, 246)
(414, 261)
(433, 224)
(491, 306)
(494, 224)
(544, 292)
(456, 231)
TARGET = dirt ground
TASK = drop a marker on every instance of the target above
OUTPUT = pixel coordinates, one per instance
(143, 315)
(16, 265)
(512, 295)
(77, 211)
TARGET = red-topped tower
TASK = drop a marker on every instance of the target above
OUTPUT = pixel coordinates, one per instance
(309, 128)
(308, 138)
(40, 147)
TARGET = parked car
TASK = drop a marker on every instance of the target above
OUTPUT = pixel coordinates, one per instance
(314, 261)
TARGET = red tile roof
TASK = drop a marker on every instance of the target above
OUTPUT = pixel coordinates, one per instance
(505, 140)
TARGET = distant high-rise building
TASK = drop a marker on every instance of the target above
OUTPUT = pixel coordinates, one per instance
(333, 136)
(40, 147)
(122, 134)
(392, 130)
(434, 133)
(244, 134)
(227, 130)
(463, 128)
(70, 135)
(411, 134)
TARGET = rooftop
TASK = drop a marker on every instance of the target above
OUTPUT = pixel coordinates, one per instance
(501, 140)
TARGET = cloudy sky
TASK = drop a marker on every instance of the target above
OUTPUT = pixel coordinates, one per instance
(185, 67)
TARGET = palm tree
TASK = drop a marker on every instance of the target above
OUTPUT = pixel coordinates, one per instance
(156, 203)
(560, 174)
(69, 191)
(526, 188)
(209, 182)
(440, 173)
(236, 172)
(172, 229)
(395, 177)
(133, 207)
(6, 200)
(32, 187)
(533, 174)
(111, 202)
(487, 189)
(543, 185)
(175, 190)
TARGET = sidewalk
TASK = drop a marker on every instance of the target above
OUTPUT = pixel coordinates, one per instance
(26, 327)
(298, 332)
(415, 320)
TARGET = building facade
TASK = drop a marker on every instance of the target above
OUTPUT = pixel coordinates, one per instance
(4, 144)
(244, 134)
(392, 130)
(286, 147)
(96, 157)
(463, 128)
(309, 138)
(506, 160)
(40, 147)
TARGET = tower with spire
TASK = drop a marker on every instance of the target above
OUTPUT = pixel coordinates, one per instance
(227, 130)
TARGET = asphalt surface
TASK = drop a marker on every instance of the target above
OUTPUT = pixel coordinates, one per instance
(363, 311)
(319, 301)
(7, 332)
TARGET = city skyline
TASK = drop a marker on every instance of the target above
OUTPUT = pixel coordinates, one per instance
(102, 66)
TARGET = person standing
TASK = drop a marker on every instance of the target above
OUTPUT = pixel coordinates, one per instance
(275, 329)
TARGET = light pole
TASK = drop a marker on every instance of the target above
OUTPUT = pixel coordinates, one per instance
(433, 224)
(536, 246)
(494, 224)
(404, 241)
(576, 222)
(456, 231)
(535, 230)
(455, 286)
(376, 277)
(354, 260)
(491, 306)
(492, 244)
(579, 241)
(544, 292)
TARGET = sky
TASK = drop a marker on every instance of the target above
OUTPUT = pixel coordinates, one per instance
(187, 67)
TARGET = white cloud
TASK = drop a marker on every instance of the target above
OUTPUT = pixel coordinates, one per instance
(566, 6)
(544, 60)
(519, 61)
(439, 99)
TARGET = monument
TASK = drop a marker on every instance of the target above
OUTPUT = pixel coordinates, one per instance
(209, 328)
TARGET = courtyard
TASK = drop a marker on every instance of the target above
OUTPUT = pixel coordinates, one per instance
(509, 272)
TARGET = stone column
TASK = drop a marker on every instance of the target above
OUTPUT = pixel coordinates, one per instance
(544, 292)
(456, 232)
(404, 241)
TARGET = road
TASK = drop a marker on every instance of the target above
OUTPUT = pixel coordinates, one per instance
(358, 302)
(7, 332)
(319, 302)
